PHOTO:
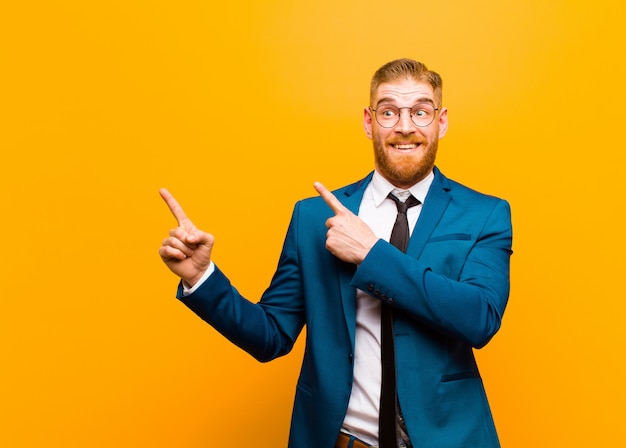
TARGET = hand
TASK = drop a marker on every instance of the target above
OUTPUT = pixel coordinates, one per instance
(187, 251)
(348, 237)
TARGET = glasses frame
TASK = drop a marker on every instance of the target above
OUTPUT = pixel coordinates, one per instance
(435, 109)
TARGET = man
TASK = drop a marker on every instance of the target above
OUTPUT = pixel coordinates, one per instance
(337, 270)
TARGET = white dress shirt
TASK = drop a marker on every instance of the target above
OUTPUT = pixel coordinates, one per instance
(379, 213)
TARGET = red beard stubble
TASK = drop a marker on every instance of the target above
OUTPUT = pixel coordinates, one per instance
(405, 170)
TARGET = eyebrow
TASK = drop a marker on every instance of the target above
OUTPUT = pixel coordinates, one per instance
(392, 101)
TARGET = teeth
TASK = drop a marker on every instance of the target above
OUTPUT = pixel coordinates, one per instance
(404, 146)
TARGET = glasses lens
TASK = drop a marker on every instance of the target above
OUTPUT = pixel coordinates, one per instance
(422, 114)
(387, 115)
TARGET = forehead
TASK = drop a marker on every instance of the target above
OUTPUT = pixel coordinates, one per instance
(403, 92)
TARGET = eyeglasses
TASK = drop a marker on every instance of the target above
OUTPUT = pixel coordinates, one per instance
(388, 115)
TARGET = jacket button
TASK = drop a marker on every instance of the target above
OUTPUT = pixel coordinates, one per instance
(350, 357)
(370, 287)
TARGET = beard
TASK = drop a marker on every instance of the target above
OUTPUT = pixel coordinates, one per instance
(405, 170)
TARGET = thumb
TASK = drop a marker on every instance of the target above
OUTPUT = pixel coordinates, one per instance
(199, 237)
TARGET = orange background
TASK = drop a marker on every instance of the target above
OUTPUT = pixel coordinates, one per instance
(103, 102)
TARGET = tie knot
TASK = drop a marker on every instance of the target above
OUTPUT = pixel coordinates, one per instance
(411, 201)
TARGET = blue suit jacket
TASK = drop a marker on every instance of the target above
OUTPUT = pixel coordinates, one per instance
(449, 292)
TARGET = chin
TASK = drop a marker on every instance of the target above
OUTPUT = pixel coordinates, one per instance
(405, 170)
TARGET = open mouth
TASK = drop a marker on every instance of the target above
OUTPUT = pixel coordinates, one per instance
(406, 147)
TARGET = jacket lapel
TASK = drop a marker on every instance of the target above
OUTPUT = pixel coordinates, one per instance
(351, 198)
(353, 194)
(435, 204)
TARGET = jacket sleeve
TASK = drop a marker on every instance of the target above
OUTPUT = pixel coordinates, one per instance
(467, 304)
(267, 329)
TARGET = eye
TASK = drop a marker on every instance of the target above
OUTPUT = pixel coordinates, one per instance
(422, 110)
(387, 111)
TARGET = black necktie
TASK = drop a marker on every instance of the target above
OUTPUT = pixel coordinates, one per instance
(388, 395)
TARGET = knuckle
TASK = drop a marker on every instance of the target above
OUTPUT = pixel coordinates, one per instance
(177, 232)
(169, 242)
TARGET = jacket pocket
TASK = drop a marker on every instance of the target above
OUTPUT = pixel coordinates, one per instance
(459, 376)
(451, 236)
(305, 388)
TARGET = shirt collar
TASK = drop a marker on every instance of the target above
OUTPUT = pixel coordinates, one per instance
(381, 188)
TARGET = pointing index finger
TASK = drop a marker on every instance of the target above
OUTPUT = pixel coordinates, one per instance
(329, 198)
(174, 206)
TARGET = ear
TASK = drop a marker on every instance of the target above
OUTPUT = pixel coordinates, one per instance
(443, 122)
(367, 122)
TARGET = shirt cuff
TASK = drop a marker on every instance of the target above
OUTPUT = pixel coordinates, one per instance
(187, 291)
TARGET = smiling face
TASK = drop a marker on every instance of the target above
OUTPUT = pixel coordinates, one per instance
(405, 153)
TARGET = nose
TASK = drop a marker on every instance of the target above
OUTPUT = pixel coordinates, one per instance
(405, 123)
